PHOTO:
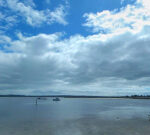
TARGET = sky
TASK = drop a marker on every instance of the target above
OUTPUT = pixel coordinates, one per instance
(86, 47)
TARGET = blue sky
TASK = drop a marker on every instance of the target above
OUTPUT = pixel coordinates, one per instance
(74, 11)
(74, 47)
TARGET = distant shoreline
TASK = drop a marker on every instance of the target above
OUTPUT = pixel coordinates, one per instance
(81, 96)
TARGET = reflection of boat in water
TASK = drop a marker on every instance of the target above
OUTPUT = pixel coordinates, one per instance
(56, 99)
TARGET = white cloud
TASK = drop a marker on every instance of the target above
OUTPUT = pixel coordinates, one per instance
(27, 10)
(32, 16)
(59, 15)
(131, 17)
(7, 21)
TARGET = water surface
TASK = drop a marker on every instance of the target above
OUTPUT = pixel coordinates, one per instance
(20, 116)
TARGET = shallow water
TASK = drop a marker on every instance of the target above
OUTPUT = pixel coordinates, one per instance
(20, 116)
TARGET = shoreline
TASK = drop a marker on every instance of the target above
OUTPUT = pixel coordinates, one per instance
(76, 96)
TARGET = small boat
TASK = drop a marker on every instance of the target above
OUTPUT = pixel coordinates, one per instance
(56, 99)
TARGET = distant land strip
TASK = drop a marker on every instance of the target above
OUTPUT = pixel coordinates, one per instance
(81, 96)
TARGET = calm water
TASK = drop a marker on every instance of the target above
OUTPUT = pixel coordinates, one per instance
(20, 116)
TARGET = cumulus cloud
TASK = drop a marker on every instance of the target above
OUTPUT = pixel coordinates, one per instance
(107, 63)
(79, 63)
(132, 17)
(27, 10)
